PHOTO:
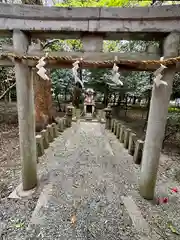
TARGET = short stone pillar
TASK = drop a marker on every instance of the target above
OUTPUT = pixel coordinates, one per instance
(121, 134)
(60, 125)
(126, 137)
(45, 137)
(118, 129)
(55, 130)
(69, 114)
(118, 125)
(138, 151)
(112, 125)
(108, 116)
(50, 133)
(115, 126)
(39, 146)
(132, 143)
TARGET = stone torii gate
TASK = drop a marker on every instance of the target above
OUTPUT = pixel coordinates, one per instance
(92, 26)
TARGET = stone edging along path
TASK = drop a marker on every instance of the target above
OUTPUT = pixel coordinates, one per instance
(129, 139)
(125, 135)
(48, 135)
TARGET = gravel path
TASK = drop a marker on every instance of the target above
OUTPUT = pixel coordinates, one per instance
(84, 175)
(83, 198)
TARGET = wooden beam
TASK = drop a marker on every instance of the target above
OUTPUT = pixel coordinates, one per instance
(112, 23)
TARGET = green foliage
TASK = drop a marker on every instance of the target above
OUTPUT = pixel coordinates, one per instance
(62, 81)
(102, 3)
(173, 110)
(176, 87)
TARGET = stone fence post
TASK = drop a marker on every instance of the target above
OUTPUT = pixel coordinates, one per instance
(108, 116)
(69, 114)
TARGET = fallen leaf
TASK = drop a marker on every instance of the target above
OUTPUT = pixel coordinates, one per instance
(174, 190)
(19, 225)
(173, 230)
(165, 200)
(161, 200)
(73, 219)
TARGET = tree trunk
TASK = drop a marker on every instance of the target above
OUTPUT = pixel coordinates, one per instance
(43, 101)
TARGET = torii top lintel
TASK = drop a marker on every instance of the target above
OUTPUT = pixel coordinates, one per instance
(146, 23)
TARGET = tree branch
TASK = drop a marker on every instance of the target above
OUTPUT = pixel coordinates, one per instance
(7, 90)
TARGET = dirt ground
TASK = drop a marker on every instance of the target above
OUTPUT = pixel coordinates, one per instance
(9, 157)
(10, 164)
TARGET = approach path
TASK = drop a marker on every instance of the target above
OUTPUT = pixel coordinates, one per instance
(89, 172)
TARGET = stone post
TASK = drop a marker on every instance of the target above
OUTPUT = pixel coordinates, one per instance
(156, 122)
(50, 133)
(39, 146)
(69, 116)
(45, 137)
(115, 125)
(108, 112)
(132, 142)
(137, 157)
(55, 130)
(121, 134)
(118, 129)
(61, 125)
(112, 125)
(26, 112)
(126, 138)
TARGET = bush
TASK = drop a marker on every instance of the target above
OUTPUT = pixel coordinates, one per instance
(173, 110)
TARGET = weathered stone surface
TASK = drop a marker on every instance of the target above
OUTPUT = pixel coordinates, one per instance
(118, 23)
(39, 146)
(26, 116)
(108, 116)
(112, 124)
(45, 137)
(132, 143)
(69, 113)
(157, 121)
(55, 130)
(138, 151)
(139, 222)
(121, 134)
(126, 137)
(50, 133)
(60, 123)
(115, 126)
(118, 129)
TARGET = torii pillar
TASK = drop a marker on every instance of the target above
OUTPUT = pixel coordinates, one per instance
(157, 121)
